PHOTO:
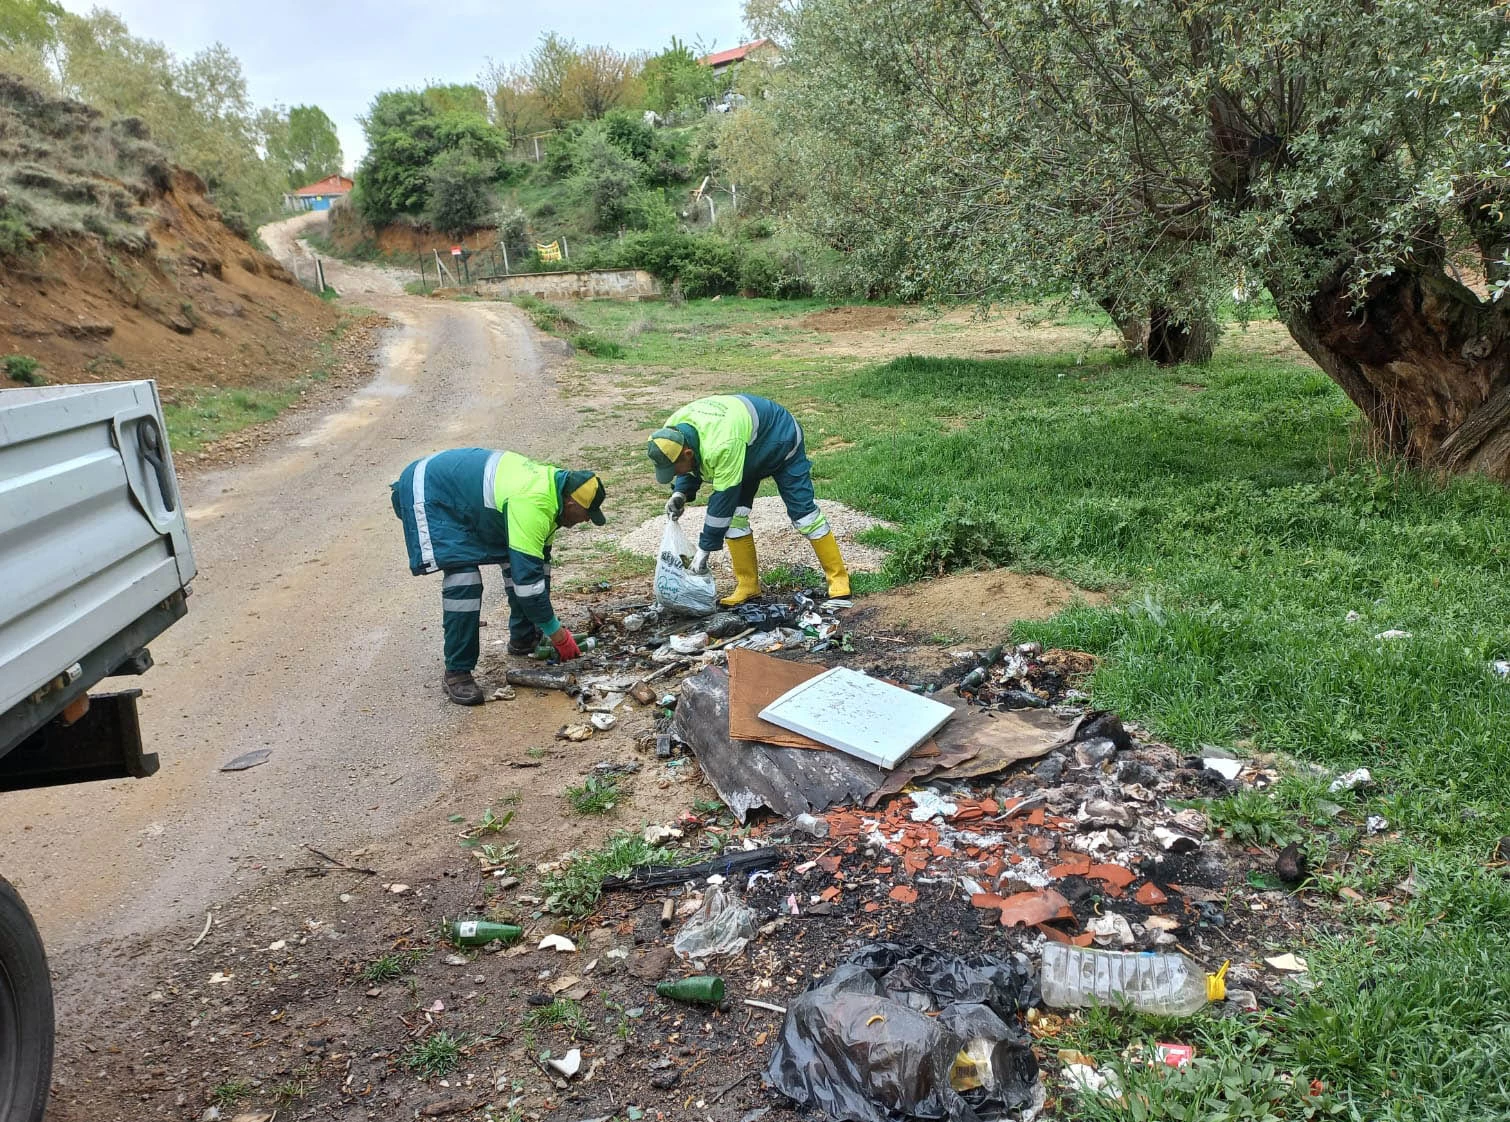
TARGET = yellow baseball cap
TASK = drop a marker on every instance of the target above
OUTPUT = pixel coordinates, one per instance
(664, 448)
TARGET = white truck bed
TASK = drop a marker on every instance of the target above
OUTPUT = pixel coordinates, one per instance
(92, 531)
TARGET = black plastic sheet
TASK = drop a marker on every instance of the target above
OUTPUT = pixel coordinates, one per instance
(862, 1046)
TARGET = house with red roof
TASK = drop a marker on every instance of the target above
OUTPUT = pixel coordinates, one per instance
(760, 50)
(319, 196)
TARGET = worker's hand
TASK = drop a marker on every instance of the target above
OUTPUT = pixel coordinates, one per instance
(675, 505)
(700, 562)
(566, 646)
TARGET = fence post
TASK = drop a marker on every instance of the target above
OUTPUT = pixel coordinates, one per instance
(565, 249)
(503, 249)
(536, 139)
(320, 275)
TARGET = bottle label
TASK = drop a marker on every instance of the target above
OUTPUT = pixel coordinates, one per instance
(467, 929)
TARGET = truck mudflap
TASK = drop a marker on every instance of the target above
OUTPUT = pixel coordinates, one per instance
(105, 742)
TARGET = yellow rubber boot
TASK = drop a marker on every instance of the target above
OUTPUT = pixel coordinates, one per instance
(827, 549)
(746, 570)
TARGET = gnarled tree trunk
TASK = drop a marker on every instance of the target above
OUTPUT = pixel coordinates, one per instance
(1425, 359)
(1172, 341)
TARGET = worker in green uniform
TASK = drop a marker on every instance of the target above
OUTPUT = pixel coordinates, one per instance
(734, 442)
(473, 506)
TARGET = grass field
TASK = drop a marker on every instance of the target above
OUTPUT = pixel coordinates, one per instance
(1235, 517)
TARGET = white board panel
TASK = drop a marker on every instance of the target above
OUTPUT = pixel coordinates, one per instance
(858, 714)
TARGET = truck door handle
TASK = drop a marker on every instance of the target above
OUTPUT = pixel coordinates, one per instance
(151, 438)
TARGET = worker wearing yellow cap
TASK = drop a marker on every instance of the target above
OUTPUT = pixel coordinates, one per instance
(734, 442)
(473, 506)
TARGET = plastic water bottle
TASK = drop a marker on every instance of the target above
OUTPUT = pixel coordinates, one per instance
(1168, 985)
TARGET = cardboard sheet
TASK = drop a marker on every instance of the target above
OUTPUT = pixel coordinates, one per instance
(756, 680)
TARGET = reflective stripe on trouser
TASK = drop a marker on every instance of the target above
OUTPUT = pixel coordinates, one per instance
(523, 632)
(811, 526)
(739, 525)
(461, 616)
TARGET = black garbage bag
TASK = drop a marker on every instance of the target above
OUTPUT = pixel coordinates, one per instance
(862, 1046)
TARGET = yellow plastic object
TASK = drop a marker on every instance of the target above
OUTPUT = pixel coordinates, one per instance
(1216, 984)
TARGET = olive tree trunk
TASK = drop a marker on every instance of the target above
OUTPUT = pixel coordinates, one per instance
(1425, 359)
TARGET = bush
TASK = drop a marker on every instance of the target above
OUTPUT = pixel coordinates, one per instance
(605, 179)
(24, 369)
(961, 536)
(15, 235)
(759, 275)
(596, 345)
(461, 195)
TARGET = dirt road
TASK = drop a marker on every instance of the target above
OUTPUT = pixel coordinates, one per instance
(304, 635)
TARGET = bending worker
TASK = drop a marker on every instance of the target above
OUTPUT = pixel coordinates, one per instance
(470, 507)
(733, 443)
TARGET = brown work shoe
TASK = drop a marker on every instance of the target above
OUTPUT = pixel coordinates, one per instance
(462, 688)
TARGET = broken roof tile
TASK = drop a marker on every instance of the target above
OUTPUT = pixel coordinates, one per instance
(1150, 894)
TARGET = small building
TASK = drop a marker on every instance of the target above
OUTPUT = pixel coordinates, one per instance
(761, 50)
(319, 196)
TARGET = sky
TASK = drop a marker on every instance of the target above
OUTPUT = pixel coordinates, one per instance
(338, 54)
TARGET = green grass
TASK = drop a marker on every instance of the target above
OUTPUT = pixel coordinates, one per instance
(226, 1095)
(390, 966)
(201, 417)
(563, 1013)
(573, 887)
(732, 333)
(1232, 515)
(439, 1054)
(24, 369)
(597, 795)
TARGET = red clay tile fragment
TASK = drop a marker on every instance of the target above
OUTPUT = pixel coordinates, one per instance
(904, 895)
(990, 806)
(1073, 868)
(830, 864)
(987, 900)
(1052, 933)
(829, 893)
(1040, 845)
(1150, 894)
(1083, 940)
(872, 906)
(1038, 906)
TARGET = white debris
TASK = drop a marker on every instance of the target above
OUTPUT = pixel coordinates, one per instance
(1227, 769)
(1111, 930)
(1501, 666)
(278, 945)
(1360, 777)
(1289, 963)
(398, 889)
(692, 643)
(558, 943)
(1393, 633)
(1099, 842)
(569, 1064)
(1191, 822)
(603, 721)
(1353, 617)
(1086, 1080)
(1173, 842)
(654, 835)
(1376, 824)
(219, 979)
(927, 805)
(504, 693)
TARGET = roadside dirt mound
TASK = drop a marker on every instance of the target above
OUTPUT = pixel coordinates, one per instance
(974, 607)
(857, 317)
(776, 542)
(349, 234)
(116, 265)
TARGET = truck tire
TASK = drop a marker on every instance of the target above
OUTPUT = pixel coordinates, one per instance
(26, 1028)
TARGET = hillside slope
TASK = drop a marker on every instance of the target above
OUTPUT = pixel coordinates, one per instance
(114, 264)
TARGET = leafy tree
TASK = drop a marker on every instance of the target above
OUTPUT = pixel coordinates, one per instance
(407, 131)
(606, 178)
(461, 192)
(305, 143)
(468, 99)
(675, 79)
(514, 106)
(600, 79)
(548, 65)
(1347, 156)
(29, 24)
(198, 108)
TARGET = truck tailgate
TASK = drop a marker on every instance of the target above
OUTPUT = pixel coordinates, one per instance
(92, 531)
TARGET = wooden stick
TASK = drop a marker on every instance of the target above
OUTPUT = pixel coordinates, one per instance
(338, 862)
(766, 1005)
(209, 917)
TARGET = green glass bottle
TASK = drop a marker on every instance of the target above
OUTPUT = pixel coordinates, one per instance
(701, 989)
(480, 932)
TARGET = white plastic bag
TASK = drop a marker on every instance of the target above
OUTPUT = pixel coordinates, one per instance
(677, 587)
(721, 926)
